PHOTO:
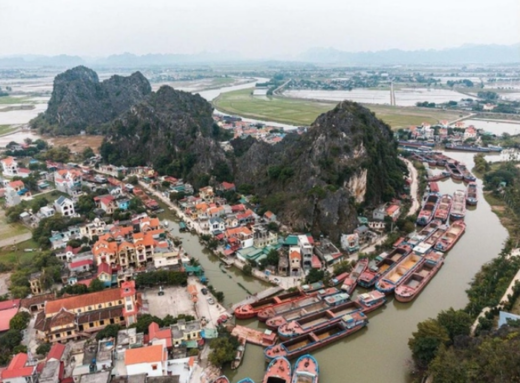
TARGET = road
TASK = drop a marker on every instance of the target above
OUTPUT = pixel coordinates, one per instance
(414, 187)
(15, 239)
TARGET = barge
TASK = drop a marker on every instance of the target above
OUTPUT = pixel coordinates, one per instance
(351, 282)
(443, 211)
(428, 209)
(452, 235)
(454, 170)
(458, 208)
(471, 195)
(387, 282)
(381, 264)
(239, 354)
(306, 370)
(251, 310)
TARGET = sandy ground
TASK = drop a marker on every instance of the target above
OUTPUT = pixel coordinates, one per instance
(175, 301)
(4, 280)
(76, 143)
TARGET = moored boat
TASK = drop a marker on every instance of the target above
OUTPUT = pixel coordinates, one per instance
(314, 340)
(428, 209)
(316, 286)
(252, 309)
(246, 380)
(381, 264)
(306, 370)
(429, 229)
(239, 354)
(432, 240)
(471, 195)
(410, 286)
(451, 236)
(278, 371)
(371, 301)
(466, 174)
(324, 304)
(387, 282)
(282, 308)
(350, 283)
(458, 208)
(434, 187)
(221, 379)
(443, 211)
(337, 280)
(454, 170)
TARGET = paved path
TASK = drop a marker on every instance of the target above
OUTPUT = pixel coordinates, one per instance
(15, 239)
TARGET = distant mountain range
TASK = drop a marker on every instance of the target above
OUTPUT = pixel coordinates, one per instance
(466, 54)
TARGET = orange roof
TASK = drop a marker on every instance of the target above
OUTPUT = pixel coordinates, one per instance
(294, 255)
(76, 302)
(192, 289)
(202, 206)
(156, 333)
(238, 230)
(140, 355)
(215, 210)
(392, 209)
(8, 160)
(268, 214)
(16, 184)
(17, 368)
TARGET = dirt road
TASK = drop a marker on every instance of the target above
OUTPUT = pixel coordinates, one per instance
(414, 187)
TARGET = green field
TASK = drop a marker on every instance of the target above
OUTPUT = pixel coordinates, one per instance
(5, 129)
(14, 254)
(304, 112)
(8, 100)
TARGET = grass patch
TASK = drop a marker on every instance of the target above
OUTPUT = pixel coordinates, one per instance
(8, 100)
(14, 254)
(8, 230)
(303, 112)
(5, 129)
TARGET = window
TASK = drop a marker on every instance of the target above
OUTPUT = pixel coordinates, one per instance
(99, 306)
(110, 304)
(89, 308)
(154, 367)
(69, 333)
(102, 322)
(91, 325)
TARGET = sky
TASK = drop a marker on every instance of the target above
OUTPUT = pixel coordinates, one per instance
(254, 28)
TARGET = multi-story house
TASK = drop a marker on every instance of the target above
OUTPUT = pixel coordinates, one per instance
(262, 237)
(9, 167)
(149, 360)
(69, 181)
(306, 250)
(64, 206)
(96, 227)
(19, 370)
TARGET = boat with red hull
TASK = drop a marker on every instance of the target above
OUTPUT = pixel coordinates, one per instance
(428, 209)
(338, 280)
(282, 308)
(451, 236)
(278, 371)
(350, 283)
(432, 240)
(387, 282)
(221, 379)
(380, 264)
(443, 211)
(415, 282)
(251, 310)
(324, 304)
(472, 194)
(458, 208)
(454, 170)
(427, 231)
(306, 370)
(306, 343)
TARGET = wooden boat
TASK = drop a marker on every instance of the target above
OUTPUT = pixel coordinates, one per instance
(350, 283)
(306, 370)
(443, 211)
(452, 235)
(282, 308)
(454, 170)
(314, 340)
(246, 380)
(458, 208)
(432, 240)
(381, 264)
(337, 280)
(471, 195)
(411, 286)
(239, 355)
(324, 304)
(252, 309)
(428, 209)
(428, 230)
(387, 282)
(221, 379)
(278, 371)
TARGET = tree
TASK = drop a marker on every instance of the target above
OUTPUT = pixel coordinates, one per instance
(247, 270)
(85, 204)
(222, 351)
(133, 180)
(315, 275)
(96, 285)
(430, 335)
(43, 349)
(456, 323)
(20, 321)
(87, 153)
(109, 331)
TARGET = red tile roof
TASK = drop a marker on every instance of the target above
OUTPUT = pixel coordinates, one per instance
(5, 317)
(16, 184)
(104, 267)
(16, 368)
(79, 301)
(148, 354)
(9, 304)
(56, 351)
(156, 333)
(83, 262)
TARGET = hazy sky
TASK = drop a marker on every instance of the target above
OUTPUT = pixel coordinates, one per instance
(255, 28)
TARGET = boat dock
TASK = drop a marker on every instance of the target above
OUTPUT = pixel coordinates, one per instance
(261, 295)
(264, 339)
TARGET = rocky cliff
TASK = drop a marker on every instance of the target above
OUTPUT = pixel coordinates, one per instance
(80, 101)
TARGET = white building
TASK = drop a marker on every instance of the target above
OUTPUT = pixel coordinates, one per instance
(64, 206)
(150, 360)
(12, 198)
(47, 211)
(9, 167)
(306, 250)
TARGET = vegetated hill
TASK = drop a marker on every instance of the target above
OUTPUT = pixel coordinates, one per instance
(174, 131)
(80, 101)
(317, 180)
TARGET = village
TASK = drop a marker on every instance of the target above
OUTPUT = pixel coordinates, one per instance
(125, 300)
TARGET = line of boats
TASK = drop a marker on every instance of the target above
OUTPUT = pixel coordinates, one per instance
(279, 370)
(427, 146)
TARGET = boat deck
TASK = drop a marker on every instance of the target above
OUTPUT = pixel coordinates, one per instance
(261, 295)
(305, 311)
(315, 322)
(250, 335)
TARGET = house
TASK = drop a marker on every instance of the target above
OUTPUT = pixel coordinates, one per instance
(488, 106)
(54, 366)
(270, 216)
(306, 250)
(155, 334)
(97, 227)
(186, 333)
(217, 225)
(295, 260)
(17, 185)
(106, 202)
(68, 253)
(47, 211)
(469, 133)
(104, 274)
(19, 370)
(150, 360)
(379, 213)
(35, 283)
(9, 167)
(327, 252)
(227, 186)
(283, 265)
(393, 211)
(12, 198)
(82, 265)
(206, 193)
(8, 310)
(262, 237)
(350, 242)
(69, 181)
(64, 206)
(72, 316)
(123, 204)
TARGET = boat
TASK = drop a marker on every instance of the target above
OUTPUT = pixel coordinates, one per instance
(337, 280)
(182, 226)
(371, 301)
(466, 174)
(306, 343)
(471, 195)
(454, 170)
(387, 282)
(434, 187)
(451, 236)
(246, 380)
(221, 379)
(306, 370)
(458, 208)
(411, 286)
(282, 308)
(443, 210)
(316, 286)
(428, 209)
(324, 304)
(417, 144)
(428, 230)
(350, 283)
(432, 240)
(239, 354)
(471, 148)
(251, 310)
(380, 264)
(278, 371)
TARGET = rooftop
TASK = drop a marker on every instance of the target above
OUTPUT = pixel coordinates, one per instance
(148, 354)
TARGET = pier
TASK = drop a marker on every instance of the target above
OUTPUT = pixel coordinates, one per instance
(261, 295)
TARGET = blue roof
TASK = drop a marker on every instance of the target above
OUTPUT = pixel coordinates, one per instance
(60, 200)
(503, 317)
